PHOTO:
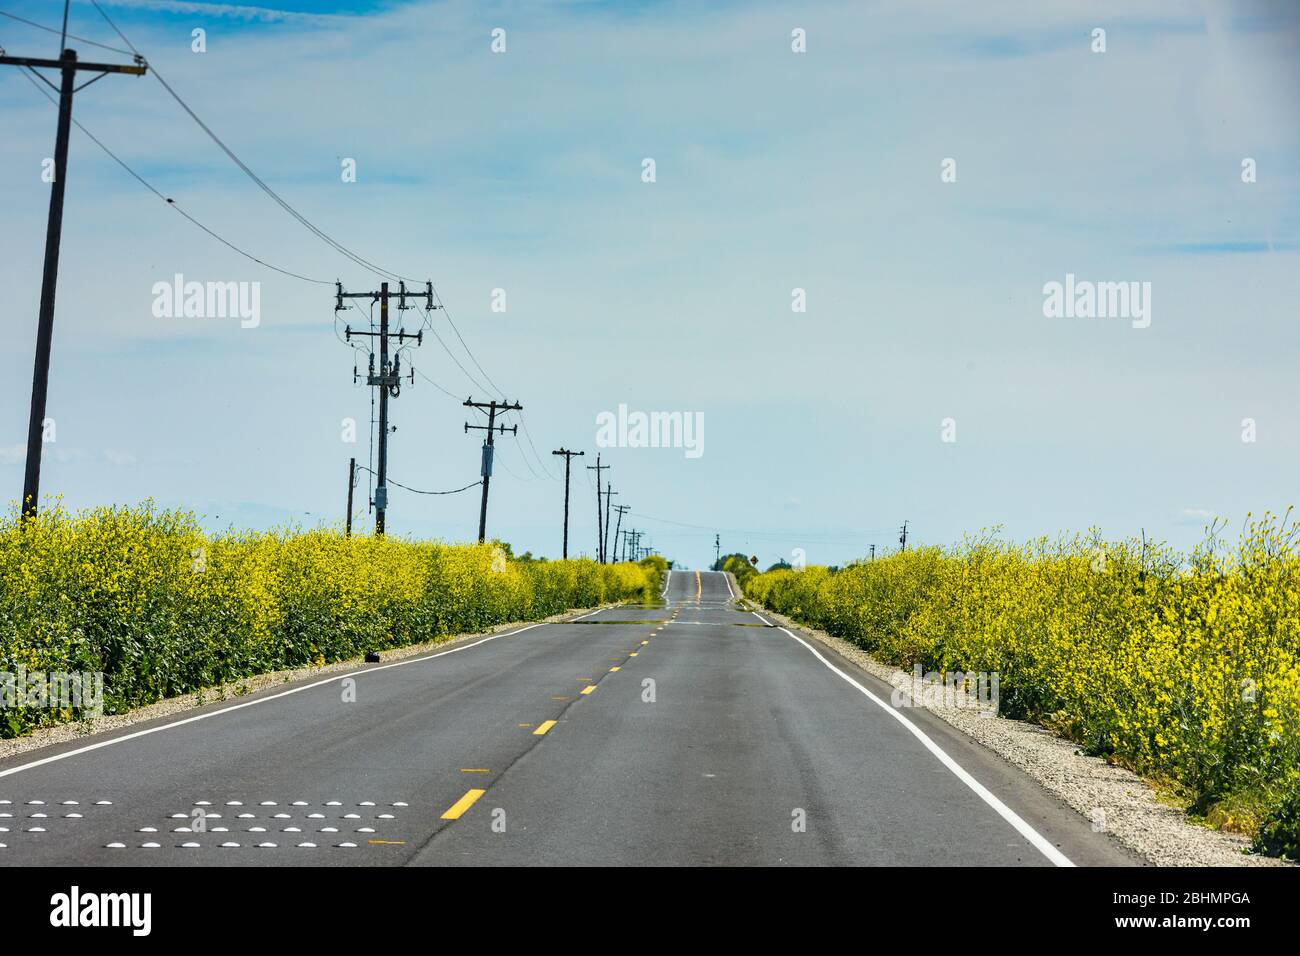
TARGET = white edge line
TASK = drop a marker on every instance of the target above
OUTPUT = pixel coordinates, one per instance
(727, 581)
(1040, 843)
(769, 624)
(252, 703)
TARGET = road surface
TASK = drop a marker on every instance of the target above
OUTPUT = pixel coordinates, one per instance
(686, 733)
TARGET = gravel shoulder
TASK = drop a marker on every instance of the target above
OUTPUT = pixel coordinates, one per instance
(1110, 797)
(213, 696)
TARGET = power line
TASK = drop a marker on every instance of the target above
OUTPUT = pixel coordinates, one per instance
(454, 491)
(167, 199)
(68, 36)
(428, 324)
(540, 460)
(495, 387)
(510, 471)
(435, 384)
(333, 243)
(853, 535)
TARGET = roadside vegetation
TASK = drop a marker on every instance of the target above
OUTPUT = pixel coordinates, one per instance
(161, 608)
(1182, 667)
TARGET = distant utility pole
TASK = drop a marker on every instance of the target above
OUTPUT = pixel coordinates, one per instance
(873, 552)
(352, 483)
(717, 551)
(486, 469)
(621, 509)
(68, 66)
(902, 537)
(600, 530)
(387, 380)
(568, 459)
(609, 493)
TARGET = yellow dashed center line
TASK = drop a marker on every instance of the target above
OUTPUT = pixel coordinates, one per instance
(644, 643)
(387, 842)
(589, 688)
(475, 770)
(559, 698)
(633, 654)
(457, 809)
(543, 727)
(613, 670)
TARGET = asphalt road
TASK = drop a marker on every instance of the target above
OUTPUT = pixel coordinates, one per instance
(686, 733)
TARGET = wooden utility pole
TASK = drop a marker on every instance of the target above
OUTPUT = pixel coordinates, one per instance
(600, 528)
(69, 67)
(352, 483)
(388, 378)
(568, 459)
(609, 493)
(621, 509)
(486, 469)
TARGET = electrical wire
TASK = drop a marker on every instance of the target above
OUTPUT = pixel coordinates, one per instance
(816, 535)
(167, 199)
(454, 491)
(546, 471)
(441, 305)
(320, 234)
(509, 471)
(428, 325)
(69, 36)
(436, 385)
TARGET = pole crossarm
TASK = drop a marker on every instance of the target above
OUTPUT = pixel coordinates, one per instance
(138, 69)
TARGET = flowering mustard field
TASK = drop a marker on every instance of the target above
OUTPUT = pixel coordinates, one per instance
(1184, 668)
(161, 608)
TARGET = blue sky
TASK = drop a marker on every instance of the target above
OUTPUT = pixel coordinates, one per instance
(775, 171)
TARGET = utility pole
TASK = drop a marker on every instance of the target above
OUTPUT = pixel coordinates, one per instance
(352, 483)
(902, 537)
(873, 552)
(388, 379)
(568, 459)
(621, 509)
(717, 552)
(609, 493)
(600, 531)
(491, 428)
(68, 66)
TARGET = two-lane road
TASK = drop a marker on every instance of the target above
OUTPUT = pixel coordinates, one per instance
(689, 732)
